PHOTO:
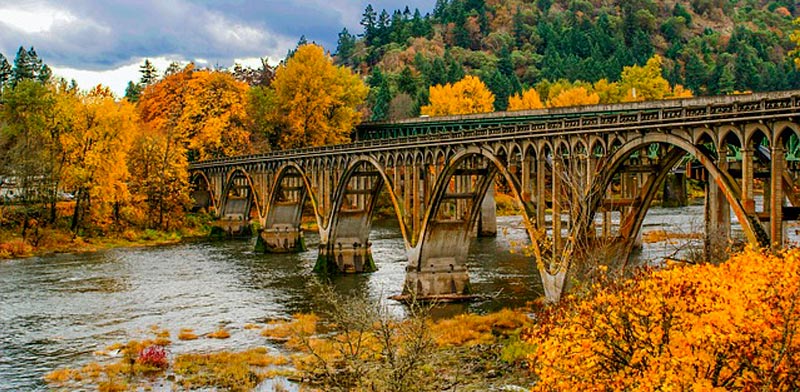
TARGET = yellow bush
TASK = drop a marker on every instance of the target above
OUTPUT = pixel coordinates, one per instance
(727, 327)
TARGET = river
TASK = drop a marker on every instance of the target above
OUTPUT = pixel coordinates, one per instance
(55, 311)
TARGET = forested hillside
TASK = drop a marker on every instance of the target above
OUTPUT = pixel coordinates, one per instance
(710, 46)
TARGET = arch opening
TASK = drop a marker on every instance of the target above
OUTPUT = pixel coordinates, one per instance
(345, 247)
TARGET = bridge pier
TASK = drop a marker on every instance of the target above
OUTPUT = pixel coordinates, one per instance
(348, 255)
(439, 270)
(232, 226)
(285, 239)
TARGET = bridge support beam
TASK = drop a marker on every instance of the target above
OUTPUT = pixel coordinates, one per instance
(675, 193)
(718, 224)
(776, 197)
(487, 221)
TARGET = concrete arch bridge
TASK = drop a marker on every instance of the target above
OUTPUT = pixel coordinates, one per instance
(584, 177)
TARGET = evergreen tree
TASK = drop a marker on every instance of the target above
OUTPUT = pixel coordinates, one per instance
(149, 73)
(696, 74)
(407, 83)
(44, 74)
(380, 107)
(23, 67)
(369, 21)
(6, 72)
(500, 86)
(345, 46)
(133, 91)
(172, 69)
(419, 26)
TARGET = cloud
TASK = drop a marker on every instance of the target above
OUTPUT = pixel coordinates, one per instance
(95, 35)
(79, 37)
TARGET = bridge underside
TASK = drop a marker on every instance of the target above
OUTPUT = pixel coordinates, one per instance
(584, 184)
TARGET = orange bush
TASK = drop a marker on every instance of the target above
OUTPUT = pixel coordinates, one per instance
(707, 327)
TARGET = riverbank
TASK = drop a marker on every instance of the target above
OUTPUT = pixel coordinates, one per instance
(49, 240)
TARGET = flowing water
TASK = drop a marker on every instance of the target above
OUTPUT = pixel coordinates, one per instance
(55, 311)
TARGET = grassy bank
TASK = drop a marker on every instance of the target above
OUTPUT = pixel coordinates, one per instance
(42, 240)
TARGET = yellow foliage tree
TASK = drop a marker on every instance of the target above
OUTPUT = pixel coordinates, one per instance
(528, 100)
(96, 153)
(214, 116)
(317, 100)
(608, 92)
(574, 97)
(795, 37)
(467, 96)
(644, 83)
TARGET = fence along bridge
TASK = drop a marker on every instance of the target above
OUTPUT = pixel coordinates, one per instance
(585, 178)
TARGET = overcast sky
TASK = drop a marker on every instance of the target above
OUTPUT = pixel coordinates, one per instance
(95, 41)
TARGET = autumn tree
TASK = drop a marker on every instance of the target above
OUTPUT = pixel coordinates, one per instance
(97, 152)
(467, 96)
(317, 100)
(574, 97)
(529, 99)
(262, 118)
(214, 116)
(158, 161)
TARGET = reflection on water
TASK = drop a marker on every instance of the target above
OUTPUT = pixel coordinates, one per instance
(56, 311)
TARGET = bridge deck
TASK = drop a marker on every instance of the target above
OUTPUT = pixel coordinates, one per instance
(641, 116)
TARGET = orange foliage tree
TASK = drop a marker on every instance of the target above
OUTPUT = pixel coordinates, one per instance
(159, 156)
(732, 326)
(317, 100)
(528, 100)
(467, 96)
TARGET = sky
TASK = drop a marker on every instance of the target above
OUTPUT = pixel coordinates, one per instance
(94, 41)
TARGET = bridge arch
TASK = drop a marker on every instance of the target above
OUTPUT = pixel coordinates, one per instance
(252, 194)
(437, 261)
(728, 186)
(281, 174)
(344, 243)
(202, 192)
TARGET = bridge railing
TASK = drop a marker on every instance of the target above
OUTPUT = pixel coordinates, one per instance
(612, 118)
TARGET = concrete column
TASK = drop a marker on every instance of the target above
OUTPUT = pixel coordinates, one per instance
(718, 221)
(541, 204)
(776, 196)
(487, 221)
(557, 168)
(527, 184)
(439, 271)
(415, 193)
(748, 199)
(675, 192)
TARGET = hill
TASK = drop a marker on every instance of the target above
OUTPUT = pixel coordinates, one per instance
(710, 46)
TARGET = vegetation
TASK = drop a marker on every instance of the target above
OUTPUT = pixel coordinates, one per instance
(709, 47)
(89, 170)
(706, 327)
